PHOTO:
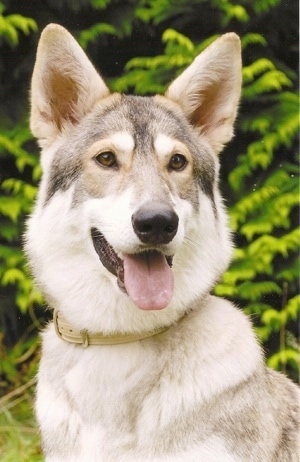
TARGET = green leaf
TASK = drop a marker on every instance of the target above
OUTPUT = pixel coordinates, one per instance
(94, 32)
(258, 67)
(252, 39)
(256, 290)
(284, 357)
(10, 26)
(171, 36)
(11, 276)
(273, 80)
(10, 207)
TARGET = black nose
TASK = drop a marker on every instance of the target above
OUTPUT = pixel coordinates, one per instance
(155, 223)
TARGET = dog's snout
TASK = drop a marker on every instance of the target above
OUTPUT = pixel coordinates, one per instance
(155, 223)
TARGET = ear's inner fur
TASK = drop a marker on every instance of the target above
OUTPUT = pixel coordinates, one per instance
(63, 98)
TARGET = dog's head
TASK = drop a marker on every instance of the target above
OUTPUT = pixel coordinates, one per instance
(128, 203)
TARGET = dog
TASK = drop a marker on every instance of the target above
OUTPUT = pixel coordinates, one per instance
(127, 239)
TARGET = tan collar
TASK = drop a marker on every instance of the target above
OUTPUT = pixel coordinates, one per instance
(85, 338)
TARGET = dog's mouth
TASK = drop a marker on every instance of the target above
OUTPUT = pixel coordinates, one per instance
(146, 277)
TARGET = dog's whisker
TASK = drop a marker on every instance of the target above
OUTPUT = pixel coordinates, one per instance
(191, 243)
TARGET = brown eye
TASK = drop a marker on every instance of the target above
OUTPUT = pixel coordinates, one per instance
(106, 159)
(178, 162)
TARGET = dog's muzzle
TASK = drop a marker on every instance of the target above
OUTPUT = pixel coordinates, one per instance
(146, 277)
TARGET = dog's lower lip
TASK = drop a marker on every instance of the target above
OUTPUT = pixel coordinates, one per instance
(110, 260)
(106, 253)
(120, 280)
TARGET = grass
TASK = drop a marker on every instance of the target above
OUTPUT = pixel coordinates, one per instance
(19, 439)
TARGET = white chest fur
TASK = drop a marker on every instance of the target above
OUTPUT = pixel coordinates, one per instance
(139, 399)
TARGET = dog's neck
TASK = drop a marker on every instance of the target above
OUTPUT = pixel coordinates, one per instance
(83, 337)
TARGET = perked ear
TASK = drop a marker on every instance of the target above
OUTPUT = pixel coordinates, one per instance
(209, 90)
(65, 85)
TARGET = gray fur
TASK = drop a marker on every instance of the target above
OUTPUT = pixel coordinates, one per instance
(144, 118)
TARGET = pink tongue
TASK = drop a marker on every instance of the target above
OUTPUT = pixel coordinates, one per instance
(148, 280)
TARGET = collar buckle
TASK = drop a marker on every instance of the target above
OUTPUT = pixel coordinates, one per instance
(85, 338)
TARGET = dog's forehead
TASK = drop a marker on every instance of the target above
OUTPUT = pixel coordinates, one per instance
(148, 111)
(143, 117)
(146, 124)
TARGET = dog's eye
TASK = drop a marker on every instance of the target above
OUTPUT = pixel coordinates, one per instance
(177, 162)
(106, 159)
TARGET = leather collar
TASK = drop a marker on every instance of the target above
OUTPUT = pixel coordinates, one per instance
(83, 337)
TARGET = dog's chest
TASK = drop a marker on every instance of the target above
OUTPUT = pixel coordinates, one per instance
(157, 397)
(134, 402)
(126, 387)
(106, 385)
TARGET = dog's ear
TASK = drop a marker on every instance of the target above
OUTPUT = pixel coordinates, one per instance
(209, 90)
(65, 85)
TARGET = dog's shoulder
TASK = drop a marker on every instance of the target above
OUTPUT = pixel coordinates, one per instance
(252, 401)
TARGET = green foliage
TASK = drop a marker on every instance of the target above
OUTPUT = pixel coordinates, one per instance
(231, 11)
(12, 141)
(266, 266)
(16, 198)
(148, 75)
(261, 6)
(91, 34)
(100, 4)
(161, 10)
(10, 26)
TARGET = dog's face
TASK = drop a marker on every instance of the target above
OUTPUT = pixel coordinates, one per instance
(129, 193)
